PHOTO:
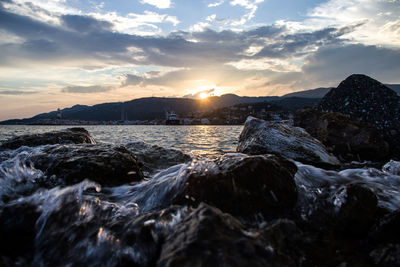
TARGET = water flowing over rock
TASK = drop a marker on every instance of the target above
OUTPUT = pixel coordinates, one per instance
(242, 185)
(261, 137)
(68, 136)
(392, 167)
(156, 158)
(346, 138)
(367, 100)
(105, 164)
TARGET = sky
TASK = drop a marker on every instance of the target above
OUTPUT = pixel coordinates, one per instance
(55, 54)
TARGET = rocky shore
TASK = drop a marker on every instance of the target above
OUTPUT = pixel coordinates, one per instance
(324, 192)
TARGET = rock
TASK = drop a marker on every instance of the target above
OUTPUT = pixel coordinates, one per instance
(358, 205)
(367, 100)
(105, 164)
(392, 167)
(242, 185)
(346, 138)
(386, 256)
(17, 230)
(68, 136)
(387, 230)
(261, 137)
(208, 237)
(156, 158)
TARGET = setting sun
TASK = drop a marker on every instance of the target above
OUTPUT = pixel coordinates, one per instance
(203, 95)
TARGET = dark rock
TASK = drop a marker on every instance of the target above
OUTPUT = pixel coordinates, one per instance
(17, 229)
(367, 100)
(387, 230)
(105, 164)
(387, 255)
(156, 158)
(346, 138)
(67, 136)
(242, 185)
(358, 206)
(208, 237)
(261, 137)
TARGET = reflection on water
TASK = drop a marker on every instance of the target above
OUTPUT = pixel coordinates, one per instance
(202, 140)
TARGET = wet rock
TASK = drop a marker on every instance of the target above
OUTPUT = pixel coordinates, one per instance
(387, 230)
(348, 139)
(17, 229)
(105, 164)
(242, 185)
(392, 167)
(367, 100)
(68, 136)
(156, 158)
(386, 256)
(358, 206)
(261, 137)
(208, 237)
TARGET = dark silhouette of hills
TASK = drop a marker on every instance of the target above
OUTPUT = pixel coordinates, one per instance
(148, 108)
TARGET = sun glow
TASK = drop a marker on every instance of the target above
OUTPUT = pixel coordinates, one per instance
(203, 95)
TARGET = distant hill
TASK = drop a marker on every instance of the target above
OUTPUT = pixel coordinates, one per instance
(143, 108)
(322, 91)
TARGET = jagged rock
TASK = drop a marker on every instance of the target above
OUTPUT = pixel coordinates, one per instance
(105, 164)
(392, 167)
(261, 137)
(208, 237)
(346, 138)
(156, 158)
(242, 185)
(367, 100)
(68, 136)
(357, 209)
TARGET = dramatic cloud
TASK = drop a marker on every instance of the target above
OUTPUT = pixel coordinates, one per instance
(197, 95)
(86, 89)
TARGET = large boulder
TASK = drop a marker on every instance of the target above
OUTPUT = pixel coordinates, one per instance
(156, 158)
(261, 137)
(68, 136)
(208, 237)
(346, 138)
(367, 100)
(241, 185)
(105, 164)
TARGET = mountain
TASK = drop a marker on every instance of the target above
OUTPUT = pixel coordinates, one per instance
(148, 108)
(312, 93)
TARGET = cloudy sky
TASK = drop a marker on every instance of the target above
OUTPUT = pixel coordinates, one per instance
(64, 52)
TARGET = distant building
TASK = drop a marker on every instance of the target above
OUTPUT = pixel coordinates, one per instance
(59, 114)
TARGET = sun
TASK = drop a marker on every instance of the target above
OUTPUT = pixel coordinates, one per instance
(203, 95)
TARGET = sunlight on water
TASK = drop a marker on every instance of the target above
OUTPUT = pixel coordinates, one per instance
(201, 140)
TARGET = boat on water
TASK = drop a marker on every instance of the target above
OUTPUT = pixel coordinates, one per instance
(172, 119)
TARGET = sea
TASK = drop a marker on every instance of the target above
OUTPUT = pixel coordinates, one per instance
(199, 140)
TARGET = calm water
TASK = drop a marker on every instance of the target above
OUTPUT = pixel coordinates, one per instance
(200, 140)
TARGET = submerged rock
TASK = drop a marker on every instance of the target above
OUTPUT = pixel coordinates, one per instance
(241, 185)
(346, 138)
(68, 136)
(261, 137)
(156, 158)
(392, 167)
(367, 100)
(105, 164)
